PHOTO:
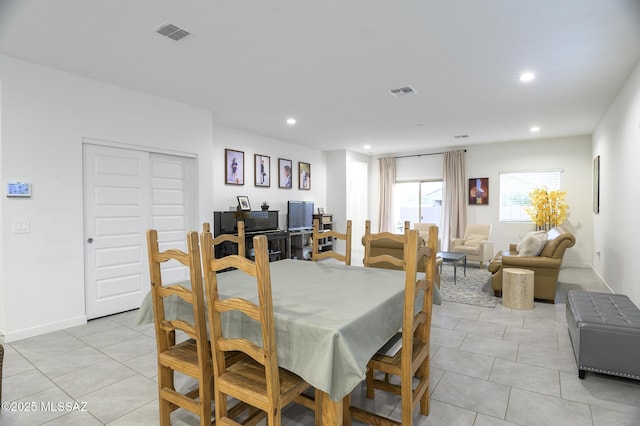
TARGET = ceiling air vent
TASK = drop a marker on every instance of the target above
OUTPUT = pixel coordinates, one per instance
(173, 32)
(403, 91)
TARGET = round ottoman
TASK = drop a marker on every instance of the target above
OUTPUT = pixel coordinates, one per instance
(517, 288)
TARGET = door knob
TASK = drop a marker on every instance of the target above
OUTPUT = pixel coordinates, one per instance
(90, 240)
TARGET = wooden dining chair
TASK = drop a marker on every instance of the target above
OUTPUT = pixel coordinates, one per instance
(412, 360)
(238, 239)
(319, 236)
(191, 357)
(386, 261)
(256, 379)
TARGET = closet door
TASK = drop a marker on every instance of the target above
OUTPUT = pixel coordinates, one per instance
(126, 192)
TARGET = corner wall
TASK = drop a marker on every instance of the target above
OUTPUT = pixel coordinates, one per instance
(571, 154)
(45, 116)
(616, 141)
(251, 143)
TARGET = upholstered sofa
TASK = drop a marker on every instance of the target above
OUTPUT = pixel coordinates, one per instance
(546, 265)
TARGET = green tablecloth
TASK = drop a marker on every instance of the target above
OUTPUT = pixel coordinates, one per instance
(330, 319)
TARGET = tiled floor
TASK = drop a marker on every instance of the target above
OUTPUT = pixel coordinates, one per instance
(490, 366)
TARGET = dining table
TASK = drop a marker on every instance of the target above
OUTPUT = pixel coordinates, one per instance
(330, 319)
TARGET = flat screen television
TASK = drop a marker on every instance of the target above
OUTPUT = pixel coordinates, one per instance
(299, 215)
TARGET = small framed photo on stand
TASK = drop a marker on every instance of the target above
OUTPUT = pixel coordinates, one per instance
(243, 202)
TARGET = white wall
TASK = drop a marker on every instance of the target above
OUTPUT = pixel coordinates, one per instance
(572, 154)
(45, 115)
(616, 141)
(224, 196)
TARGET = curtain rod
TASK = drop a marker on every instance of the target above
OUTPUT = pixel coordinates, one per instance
(420, 155)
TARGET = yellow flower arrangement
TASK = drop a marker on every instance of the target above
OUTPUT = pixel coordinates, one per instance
(548, 208)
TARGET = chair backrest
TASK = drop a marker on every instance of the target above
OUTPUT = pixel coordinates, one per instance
(262, 313)
(478, 229)
(318, 236)
(166, 328)
(237, 239)
(383, 260)
(417, 325)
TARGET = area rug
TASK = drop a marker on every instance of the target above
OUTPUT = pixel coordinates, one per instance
(474, 289)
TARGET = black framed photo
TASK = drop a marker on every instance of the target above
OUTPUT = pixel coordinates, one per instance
(596, 184)
(320, 210)
(262, 169)
(479, 191)
(304, 176)
(284, 173)
(233, 167)
(243, 202)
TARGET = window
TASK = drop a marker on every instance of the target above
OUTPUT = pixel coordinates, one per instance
(515, 189)
(417, 202)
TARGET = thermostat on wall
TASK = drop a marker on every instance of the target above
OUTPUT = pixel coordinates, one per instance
(18, 189)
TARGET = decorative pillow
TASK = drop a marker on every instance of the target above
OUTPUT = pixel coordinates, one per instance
(473, 240)
(532, 245)
(538, 234)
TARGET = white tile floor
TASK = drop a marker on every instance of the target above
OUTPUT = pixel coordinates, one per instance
(490, 366)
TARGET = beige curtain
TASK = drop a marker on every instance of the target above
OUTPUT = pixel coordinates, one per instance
(386, 180)
(454, 198)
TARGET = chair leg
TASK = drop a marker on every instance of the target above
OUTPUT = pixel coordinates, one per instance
(165, 380)
(370, 390)
(346, 412)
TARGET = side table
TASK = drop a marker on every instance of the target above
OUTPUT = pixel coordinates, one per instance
(517, 288)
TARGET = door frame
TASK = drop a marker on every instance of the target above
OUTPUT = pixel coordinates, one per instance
(150, 150)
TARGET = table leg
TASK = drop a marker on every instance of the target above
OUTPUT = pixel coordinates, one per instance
(331, 411)
(455, 272)
(465, 266)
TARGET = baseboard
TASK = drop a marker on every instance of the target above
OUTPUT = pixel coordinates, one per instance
(601, 279)
(25, 333)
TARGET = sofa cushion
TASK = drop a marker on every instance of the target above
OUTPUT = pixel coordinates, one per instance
(473, 240)
(532, 244)
(521, 244)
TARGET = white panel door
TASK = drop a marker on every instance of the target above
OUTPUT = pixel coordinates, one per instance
(126, 193)
(116, 190)
(172, 207)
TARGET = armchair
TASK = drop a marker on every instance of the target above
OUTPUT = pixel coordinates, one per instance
(546, 265)
(475, 244)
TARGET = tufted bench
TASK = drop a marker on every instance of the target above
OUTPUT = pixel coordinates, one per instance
(605, 333)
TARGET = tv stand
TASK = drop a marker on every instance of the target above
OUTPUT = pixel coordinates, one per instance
(301, 243)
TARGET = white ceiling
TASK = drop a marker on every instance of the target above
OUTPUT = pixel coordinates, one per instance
(330, 64)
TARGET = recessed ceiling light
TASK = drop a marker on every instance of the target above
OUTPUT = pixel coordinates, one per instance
(534, 129)
(526, 77)
(367, 147)
(291, 121)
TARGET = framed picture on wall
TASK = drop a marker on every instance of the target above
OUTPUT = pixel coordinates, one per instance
(233, 167)
(596, 184)
(284, 173)
(304, 175)
(479, 191)
(262, 169)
